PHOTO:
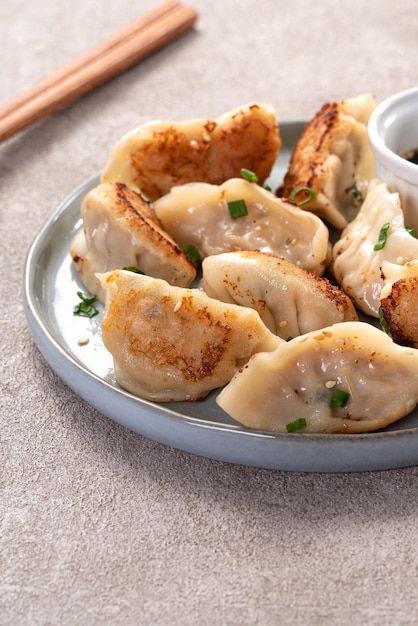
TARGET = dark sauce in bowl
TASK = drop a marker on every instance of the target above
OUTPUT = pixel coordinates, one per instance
(411, 155)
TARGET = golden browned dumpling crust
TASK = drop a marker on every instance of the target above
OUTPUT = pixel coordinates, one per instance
(121, 230)
(333, 158)
(399, 308)
(289, 300)
(170, 343)
(159, 155)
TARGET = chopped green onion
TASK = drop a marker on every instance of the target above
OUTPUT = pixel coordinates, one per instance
(249, 175)
(85, 308)
(132, 268)
(192, 252)
(253, 178)
(237, 208)
(381, 242)
(339, 398)
(357, 195)
(385, 326)
(411, 231)
(299, 424)
(309, 193)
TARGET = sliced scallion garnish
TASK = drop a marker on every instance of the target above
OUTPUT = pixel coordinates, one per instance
(192, 252)
(237, 208)
(85, 308)
(339, 398)
(249, 175)
(132, 268)
(411, 231)
(385, 326)
(357, 195)
(309, 194)
(381, 242)
(299, 424)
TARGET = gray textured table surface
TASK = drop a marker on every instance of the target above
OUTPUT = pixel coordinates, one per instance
(103, 526)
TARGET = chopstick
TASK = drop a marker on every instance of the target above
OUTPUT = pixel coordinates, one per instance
(117, 54)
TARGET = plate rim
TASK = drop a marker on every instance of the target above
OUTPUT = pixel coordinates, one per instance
(281, 455)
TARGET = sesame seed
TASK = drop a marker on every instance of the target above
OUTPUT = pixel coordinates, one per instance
(330, 384)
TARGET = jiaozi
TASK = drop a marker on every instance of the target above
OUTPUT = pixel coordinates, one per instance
(375, 237)
(333, 158)
(290, 300)
(171, 344)
(121, 230)
(158, 155)
(346, 378)
(202, 215)
(399, 302)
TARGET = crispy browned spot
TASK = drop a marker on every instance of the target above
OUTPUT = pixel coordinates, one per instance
(400, 311)
(133, 210)
(171, 156)
(163, 336)
(311, 150)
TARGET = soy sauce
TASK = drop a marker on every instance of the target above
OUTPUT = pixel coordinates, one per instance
(411, 155)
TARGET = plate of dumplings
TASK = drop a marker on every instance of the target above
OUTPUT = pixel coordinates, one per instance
(239, 288)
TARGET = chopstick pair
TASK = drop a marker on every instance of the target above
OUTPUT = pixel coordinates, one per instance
(144, 36)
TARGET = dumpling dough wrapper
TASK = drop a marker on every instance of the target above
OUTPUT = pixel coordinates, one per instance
(121, 230)
(198, 214)
(290, 300)
(358, 267)
(334, 159)
(172, 344)
(158, 155)
(297, 382)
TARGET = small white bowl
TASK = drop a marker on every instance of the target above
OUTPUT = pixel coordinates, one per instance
(393, 130)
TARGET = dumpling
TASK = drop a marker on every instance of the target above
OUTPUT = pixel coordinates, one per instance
(356, 264)
(158, 155)
(199, 214)
(399, 302)
(170, 343)
(346, 378)
(334, 159)
(121, 230)
(290, 300)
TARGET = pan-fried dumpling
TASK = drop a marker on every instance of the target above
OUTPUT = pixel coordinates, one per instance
(170, 343)
(334, 159)
(357, 265)
(121, 230)
(346, 378)
(290, 300)
(399, 302)
(158, 155)
(199, 214)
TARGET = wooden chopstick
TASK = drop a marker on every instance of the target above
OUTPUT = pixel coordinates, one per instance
(94, 68)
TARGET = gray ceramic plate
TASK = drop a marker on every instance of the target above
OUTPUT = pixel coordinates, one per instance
(202, 428)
